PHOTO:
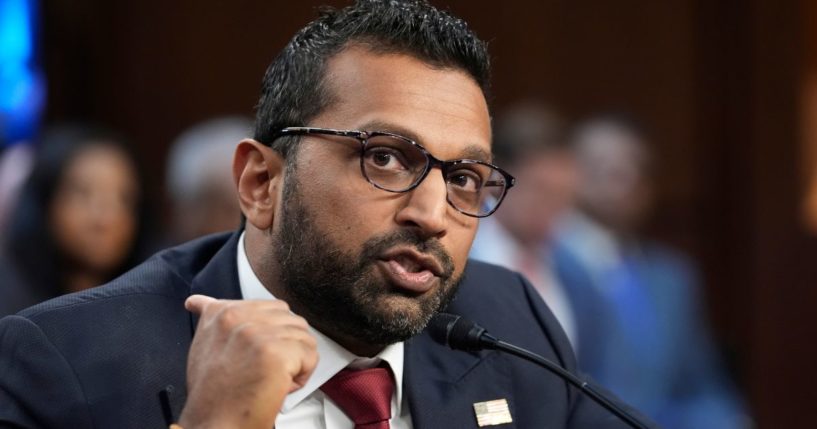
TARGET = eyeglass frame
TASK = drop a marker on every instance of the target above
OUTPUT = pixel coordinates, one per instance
(431, 161)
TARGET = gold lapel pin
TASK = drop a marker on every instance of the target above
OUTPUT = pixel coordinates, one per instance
(491, 413)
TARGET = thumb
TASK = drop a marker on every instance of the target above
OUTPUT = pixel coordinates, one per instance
(196, 303)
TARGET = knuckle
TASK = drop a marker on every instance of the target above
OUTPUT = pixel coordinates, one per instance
(211, 308)
(247, 334)
(311, 342)
(311, 354)
(300, 321)
(280, 304)
(269, 355)
(228, 317)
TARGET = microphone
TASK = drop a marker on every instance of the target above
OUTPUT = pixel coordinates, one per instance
(459, 333)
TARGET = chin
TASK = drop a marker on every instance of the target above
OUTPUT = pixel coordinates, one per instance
(399, 305)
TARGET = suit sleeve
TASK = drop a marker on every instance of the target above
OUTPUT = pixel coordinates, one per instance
(38, 387)
(702, 394)
(584, 411)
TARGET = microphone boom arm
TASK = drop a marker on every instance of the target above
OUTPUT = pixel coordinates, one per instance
(582, 385)
(461, 334)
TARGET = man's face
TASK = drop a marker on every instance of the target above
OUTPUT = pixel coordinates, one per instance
(614, 184)
(366, 266)
(546, 191)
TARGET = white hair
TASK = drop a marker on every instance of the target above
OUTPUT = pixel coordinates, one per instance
(202, 151)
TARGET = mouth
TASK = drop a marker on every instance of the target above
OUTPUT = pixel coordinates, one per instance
(410, 270)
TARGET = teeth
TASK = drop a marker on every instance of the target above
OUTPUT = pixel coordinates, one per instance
(409, 264)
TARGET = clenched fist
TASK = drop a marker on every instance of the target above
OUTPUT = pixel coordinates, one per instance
(245, 357)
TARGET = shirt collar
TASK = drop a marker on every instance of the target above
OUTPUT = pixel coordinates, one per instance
(332, 357)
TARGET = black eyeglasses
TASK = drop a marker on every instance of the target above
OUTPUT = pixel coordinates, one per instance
(398, 164)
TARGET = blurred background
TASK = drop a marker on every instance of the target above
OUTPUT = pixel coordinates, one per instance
(727, 90)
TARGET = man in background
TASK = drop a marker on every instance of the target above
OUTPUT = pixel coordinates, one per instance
(643, 328)
(530, 139)
(199, 178)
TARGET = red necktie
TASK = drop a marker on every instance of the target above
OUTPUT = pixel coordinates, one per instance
(364, 395)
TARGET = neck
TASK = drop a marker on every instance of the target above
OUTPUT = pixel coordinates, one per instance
(349, 343)
(81, 280)
(263, 262)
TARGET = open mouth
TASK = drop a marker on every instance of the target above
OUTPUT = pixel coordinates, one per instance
(411, 270)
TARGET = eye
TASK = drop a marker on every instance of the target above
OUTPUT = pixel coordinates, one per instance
(385, 158)
(465, 179)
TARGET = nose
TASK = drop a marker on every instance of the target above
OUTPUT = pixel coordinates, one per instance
(426, 207)
(104, 209)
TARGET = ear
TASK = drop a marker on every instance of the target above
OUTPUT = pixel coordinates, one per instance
(258, 175)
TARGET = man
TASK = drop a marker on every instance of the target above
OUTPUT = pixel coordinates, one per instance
(529, 141)
(647, 340)
(199, 178)
(364, 234)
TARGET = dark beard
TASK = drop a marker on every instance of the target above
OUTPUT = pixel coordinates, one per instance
(344, 295)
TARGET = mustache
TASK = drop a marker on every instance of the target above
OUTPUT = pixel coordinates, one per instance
(376, 246)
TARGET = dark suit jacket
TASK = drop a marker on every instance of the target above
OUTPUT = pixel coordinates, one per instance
(115, 356)
(16, 293)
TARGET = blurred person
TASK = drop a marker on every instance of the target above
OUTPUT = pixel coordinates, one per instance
(362, 188)
(529, 139)
(15, 165)
(80, 220)
(199, 178)
(645, 335)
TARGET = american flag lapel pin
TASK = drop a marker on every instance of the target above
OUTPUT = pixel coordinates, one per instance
(491, 413)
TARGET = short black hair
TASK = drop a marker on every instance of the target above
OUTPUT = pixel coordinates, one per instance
(294, 90)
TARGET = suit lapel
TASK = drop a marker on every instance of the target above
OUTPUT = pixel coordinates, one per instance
(443, 385)
(219, 278)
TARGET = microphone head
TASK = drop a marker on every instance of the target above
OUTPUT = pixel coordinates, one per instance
(440, 327)
(456, 332)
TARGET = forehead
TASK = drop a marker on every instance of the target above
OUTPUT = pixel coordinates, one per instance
(610, 145)
(442, 109)
(99, 155)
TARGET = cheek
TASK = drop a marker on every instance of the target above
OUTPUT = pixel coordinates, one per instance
(67, 222)
(346, 207)
(89, 232)
(124, 228)
(458, 240)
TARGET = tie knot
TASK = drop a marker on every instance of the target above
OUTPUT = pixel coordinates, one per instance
(364, 395)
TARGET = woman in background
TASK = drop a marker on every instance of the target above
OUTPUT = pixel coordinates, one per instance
(80, 220)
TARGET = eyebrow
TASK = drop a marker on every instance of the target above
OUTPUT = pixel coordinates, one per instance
(472, 151)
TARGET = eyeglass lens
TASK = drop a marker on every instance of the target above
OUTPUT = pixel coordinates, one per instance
(395, 164)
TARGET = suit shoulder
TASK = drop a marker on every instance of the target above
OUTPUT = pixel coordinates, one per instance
(168, 273)
(484, 280)
(485, 272)
(497, 292)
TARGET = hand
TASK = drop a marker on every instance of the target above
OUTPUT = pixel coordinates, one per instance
(245, 357)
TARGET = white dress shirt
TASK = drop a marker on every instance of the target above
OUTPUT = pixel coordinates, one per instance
(308, 407)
